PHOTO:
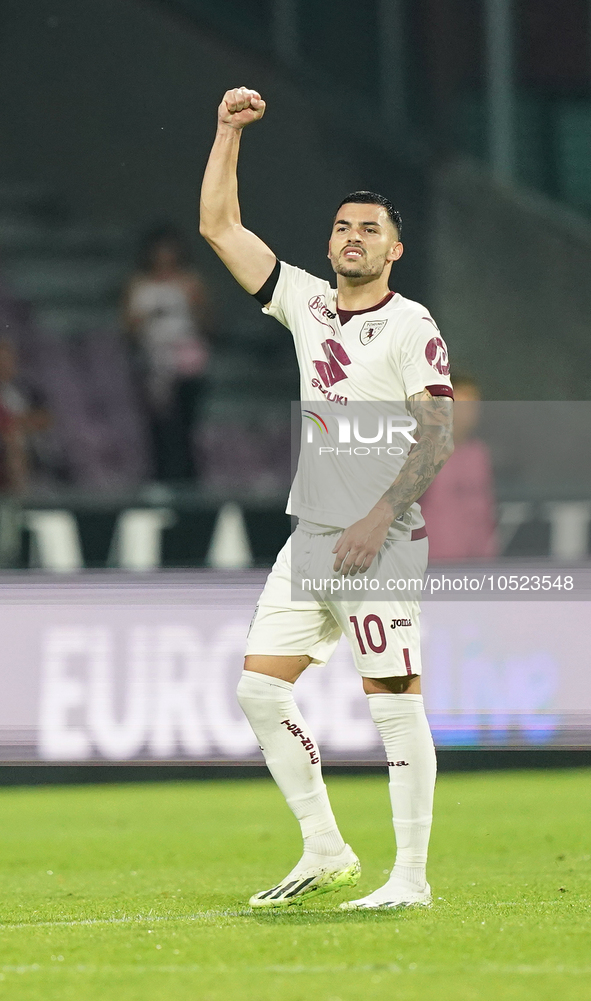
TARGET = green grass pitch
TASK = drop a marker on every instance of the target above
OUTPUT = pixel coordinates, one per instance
(138, 893)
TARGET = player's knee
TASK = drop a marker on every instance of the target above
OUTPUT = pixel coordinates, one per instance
(261, 694)
(244, 689)
(283, 668)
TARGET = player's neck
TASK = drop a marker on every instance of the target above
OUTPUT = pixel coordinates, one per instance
(354, 294)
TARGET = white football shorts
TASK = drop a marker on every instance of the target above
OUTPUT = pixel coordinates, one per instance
(383, 634)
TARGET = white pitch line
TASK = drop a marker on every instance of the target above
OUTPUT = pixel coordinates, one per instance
(560, 902)
(137, 919)
(245, 913)
(290, 970)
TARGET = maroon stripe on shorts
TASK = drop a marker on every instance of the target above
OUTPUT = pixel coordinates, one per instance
(418, 533)
(407, 660)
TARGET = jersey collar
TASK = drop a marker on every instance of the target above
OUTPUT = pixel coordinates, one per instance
(346, 314)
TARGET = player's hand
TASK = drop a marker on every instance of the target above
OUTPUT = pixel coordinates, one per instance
(360, 543)
(241, 107)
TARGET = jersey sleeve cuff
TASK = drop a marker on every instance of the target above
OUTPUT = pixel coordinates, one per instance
(437, 389)
(441, 390)
(266, 291)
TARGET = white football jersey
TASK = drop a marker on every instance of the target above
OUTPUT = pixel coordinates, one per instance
(387, 353)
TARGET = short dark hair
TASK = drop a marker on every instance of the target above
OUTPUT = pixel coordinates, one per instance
(372, 198)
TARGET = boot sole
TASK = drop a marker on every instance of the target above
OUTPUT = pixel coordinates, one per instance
(403, 905)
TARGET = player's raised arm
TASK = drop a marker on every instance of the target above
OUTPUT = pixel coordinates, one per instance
(244, 254)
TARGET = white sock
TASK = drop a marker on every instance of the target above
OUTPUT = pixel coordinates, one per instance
(292, 757)
(410, 752)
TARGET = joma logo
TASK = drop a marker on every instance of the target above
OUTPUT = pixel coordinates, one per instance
(400, 622)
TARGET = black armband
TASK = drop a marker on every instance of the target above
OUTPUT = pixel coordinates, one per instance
(265, 293)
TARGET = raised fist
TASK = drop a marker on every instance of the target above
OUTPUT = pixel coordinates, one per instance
(241, 107)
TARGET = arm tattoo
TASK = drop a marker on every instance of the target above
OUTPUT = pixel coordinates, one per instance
(434, 417)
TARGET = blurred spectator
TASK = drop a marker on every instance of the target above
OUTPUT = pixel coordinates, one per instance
(459, 506)
(13, 466)
(23, 421)
(166, 313)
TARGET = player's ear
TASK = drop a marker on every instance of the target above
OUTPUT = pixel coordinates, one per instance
(396, 252)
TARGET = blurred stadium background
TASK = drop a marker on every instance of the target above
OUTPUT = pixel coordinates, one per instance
(125, 594)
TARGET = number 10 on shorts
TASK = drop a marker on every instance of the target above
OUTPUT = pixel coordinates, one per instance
(369, 622)
(375, 637)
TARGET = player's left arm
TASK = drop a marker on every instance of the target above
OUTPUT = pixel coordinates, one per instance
(360, 543)
(434, 417)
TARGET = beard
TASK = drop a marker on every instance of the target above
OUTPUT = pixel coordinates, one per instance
(358, 269)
